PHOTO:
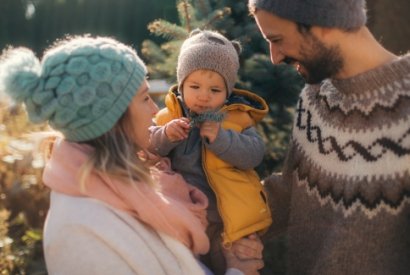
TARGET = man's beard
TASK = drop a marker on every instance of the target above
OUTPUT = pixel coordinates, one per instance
(318, 62)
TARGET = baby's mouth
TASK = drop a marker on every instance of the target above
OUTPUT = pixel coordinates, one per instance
(203, 109)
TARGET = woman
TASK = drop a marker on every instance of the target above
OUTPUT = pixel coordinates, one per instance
(110, 212)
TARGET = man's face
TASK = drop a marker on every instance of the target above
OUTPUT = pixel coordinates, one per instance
(314, 60)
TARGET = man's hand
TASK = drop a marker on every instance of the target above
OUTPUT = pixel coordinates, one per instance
(248, 267)
(245, 255)
(250, 247)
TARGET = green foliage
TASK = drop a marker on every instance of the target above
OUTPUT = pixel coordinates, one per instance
(167, 30)
(7, 259)
(186, 14)
(23, 199)
(162, 65)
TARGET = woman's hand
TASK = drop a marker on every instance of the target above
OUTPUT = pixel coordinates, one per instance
(177, 129)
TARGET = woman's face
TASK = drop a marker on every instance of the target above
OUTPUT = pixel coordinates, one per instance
(140, 113)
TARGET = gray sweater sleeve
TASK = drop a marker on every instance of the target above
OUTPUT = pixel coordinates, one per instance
(243, 150)
(160, 144)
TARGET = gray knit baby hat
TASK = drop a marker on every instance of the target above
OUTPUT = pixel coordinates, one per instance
(82, 86)
(209, 50)
(343, 14)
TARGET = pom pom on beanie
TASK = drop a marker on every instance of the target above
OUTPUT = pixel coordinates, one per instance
(82, 86)
(19, 72)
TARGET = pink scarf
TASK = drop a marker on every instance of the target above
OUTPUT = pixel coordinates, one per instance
(176, 208)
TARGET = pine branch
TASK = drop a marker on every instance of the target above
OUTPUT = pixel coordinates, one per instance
(167, 30)
(216, 16)
(172, 47)
(203, 6)
(152, 52)
(185, 12)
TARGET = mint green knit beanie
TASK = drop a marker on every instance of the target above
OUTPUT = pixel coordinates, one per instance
(82, 85)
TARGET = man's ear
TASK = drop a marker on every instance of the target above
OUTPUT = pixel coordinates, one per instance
(325, 34)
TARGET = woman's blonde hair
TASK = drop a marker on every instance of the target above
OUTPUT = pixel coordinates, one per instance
(116, 155)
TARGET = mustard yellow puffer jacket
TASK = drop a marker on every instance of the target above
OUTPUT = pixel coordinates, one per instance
(241, 201)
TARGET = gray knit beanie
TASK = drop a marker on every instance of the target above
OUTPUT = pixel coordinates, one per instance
(81, 87)
(343, 14)
(211, 51)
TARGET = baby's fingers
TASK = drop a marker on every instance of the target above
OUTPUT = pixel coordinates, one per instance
(177, 130)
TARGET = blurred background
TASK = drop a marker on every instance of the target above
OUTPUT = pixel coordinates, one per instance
(156, 29)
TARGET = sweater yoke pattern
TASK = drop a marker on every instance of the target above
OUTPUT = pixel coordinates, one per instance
(351, 141)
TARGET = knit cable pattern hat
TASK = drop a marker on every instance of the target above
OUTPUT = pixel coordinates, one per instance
(343, 14)
(82, 86)
(209, 50)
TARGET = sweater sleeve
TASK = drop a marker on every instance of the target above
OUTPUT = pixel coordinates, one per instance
(278, 187)
(243, 150)
(160, 144)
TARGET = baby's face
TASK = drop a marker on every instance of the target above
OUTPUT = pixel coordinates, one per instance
(204, 91)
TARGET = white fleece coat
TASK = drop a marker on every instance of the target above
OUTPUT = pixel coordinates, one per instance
(86, 236)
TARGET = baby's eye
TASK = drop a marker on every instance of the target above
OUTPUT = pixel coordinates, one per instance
(194, 86)
(216, 90)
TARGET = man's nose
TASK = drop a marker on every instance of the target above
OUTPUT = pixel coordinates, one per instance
(276, 55)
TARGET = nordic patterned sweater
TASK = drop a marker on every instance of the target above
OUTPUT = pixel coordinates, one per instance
(348, 175)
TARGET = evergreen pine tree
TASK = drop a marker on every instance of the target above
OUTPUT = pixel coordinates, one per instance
(162, 59)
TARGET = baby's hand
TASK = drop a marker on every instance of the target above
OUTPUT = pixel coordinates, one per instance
(177, 129)
(209, 130)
